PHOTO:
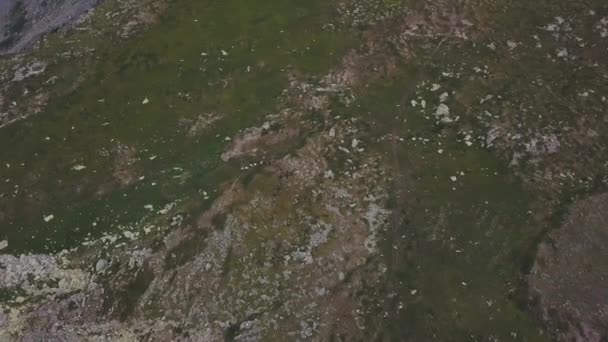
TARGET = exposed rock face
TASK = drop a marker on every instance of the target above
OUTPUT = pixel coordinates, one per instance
(569, 278)
(24, 21)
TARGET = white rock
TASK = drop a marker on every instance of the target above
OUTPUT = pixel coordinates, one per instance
(562, 53)
(101, 265)
(145, 101)
(49, 218)
(78, 167)
(453, 178)
(343, 149)
(442, 110)
(332, 132)
(3, 244)
(486, 98)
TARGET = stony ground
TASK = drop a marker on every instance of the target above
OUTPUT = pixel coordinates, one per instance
(347, 170)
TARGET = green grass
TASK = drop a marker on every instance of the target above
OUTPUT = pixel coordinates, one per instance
(267, 38)
(460, 245)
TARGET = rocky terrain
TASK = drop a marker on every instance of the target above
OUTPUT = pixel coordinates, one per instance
(27, 21)
(344, 170)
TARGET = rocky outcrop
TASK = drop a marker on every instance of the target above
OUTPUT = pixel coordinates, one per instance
(25, 21)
